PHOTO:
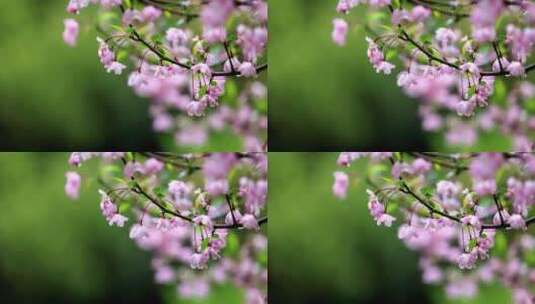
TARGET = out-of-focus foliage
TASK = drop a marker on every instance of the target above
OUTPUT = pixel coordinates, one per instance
(326, 251)
(56, 250)
(55, 97)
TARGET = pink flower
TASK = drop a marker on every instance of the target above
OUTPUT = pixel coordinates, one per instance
(107, 207)
(247, 69)
(70, 34)
(110, 211)
(339, 32)
(485, 187)
(497, 220)
(227, 66)
(254, 296)
(75, 159)
(400, 169)
(229, 219)
(516, 68)
(216, 187)
(75, 5)
(150, 13)
(385, 219)
(522, 296)
(115, 67)
(152, 166)
(138, 231)
(164, 274)
(374, 206)
(384, 67)
(196, 108)
(400, 16)
(378, 3)
(72, 186)
(107, 58)
(470, 68)
(204, 221)
(484, 34)
(516, 221)
(202, 68)
(110, 3)
(419, 13)
(496, 64)
(465, 108)
(377, 210)
(467, 260)
(131, 168)
(346, 158)
(447, 188)
(345, 5)
(118, 220)
(375, 55)
(199, 260)
(248, 221)
(471, 220)
(176, 37)
(341, 182)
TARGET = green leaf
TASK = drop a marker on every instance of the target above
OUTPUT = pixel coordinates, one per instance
(262, 106)
(529, 105)
(500, 245)
(529, 257)
(233, 245)
(230, 96)
(427, 191)
(500, 92)
(159, 191)
(262, 258)
(124, 207)
(376, 16)
(471, 244)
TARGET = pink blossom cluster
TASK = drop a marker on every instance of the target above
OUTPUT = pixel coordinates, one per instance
(199, 214)
(452, 57)
(467, 215)
(199, 62)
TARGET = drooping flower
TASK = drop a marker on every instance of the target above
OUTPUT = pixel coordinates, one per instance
(70, 34)
(339, 32)
(72, 186)
(248, 221)
(516, 221)
(341, 182)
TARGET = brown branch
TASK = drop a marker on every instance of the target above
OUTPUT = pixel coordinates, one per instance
(407, 190)
(136, 188)
(137, 37)
(438, 162)
(406, 37)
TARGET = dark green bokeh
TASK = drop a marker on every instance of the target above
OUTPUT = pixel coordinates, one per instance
(324, 97)
(323, 250)
(54, 250)
(57, 97)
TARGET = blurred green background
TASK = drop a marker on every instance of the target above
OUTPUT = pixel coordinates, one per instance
(325, 97)
(54, 250)
(57, 97)
(323, 250)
